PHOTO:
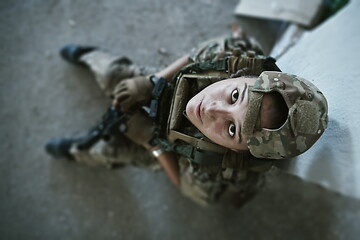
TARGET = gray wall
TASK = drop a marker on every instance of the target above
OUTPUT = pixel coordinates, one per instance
(328, 56)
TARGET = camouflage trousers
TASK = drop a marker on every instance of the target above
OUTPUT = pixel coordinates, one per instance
(109, 71)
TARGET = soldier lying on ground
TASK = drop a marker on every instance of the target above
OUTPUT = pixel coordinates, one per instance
(216, 122)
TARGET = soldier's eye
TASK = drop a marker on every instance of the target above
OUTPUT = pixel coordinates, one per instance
(232, 129)
(234, 95)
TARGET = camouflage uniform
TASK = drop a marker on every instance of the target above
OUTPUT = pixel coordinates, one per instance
(109, 71)
(305, 123)
(202, 183)
(209, 184)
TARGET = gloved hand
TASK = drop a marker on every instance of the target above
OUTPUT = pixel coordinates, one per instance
(132, 92)
(140, 128)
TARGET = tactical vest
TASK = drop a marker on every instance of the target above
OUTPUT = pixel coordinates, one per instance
(199, 150)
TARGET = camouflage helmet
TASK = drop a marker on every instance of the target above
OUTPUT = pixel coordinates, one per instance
(306, 118)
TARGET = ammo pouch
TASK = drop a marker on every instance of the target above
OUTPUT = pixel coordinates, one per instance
(203, 74)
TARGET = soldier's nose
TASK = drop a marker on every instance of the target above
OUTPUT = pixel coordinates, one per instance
(216, 109)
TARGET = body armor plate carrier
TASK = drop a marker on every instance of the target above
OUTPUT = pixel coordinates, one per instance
(202, 74)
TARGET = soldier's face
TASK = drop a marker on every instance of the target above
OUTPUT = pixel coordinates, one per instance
(218, 111)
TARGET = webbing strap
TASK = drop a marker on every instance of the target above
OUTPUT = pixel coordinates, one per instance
(244, 160)
(207, 158)
(206, 153)
(198, 143)
(199, 156)
(260, 165)
(219, 65)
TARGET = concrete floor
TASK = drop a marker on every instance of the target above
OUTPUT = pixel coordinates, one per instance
(43, 97)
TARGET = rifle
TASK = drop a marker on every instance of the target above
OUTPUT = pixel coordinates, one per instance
(112, 123)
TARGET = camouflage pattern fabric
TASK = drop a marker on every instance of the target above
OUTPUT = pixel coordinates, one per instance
(109, 71)
(115, 153)
(210, 184)
(307, 118)
(218, 48)
(203, 184)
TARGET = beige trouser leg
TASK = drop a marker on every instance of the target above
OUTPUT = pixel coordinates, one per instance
(109, 71)
(114, 153)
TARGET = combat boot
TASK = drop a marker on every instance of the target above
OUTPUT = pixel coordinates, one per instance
(72, 53)
(60, 148)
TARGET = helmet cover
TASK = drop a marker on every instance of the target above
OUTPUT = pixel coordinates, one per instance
(306, 120)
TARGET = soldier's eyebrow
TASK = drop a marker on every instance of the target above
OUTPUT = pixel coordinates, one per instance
(243, 92)
(242, 98)
(239, 134)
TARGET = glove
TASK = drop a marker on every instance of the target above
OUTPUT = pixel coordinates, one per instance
(140, 129)
(132, 92)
